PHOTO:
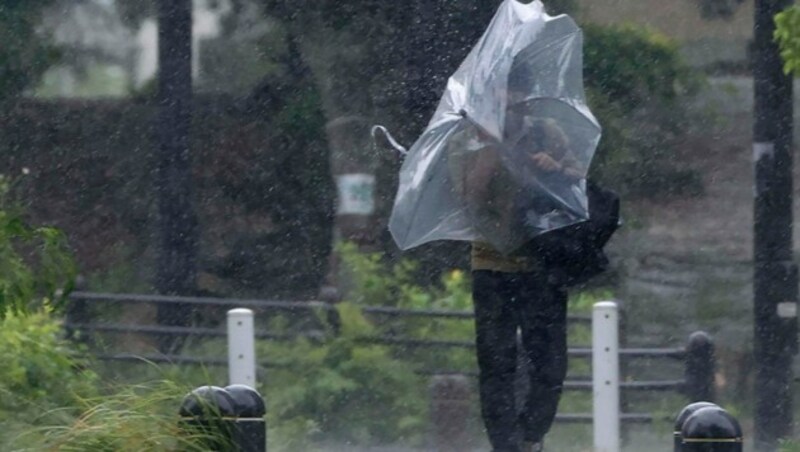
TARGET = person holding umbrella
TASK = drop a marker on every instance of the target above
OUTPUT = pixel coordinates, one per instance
(502, 164)
(518, 309)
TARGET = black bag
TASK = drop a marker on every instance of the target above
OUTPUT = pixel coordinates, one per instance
(574, 254)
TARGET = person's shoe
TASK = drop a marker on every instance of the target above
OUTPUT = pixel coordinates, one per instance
(528, 446)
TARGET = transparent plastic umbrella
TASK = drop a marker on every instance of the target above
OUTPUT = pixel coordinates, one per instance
(505, 156)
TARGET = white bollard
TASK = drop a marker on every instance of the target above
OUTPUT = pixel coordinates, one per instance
(605, 376)
(241, 348)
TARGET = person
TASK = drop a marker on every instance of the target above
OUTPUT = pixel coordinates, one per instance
(518, 309)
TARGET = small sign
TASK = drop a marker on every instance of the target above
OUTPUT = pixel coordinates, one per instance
(356, 194)
(787, 310)
(761, 150)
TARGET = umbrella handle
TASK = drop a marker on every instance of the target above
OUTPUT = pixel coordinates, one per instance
(388, 137)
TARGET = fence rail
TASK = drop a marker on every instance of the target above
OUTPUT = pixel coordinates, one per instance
(695, 384)
(121, 328)
(266, 305)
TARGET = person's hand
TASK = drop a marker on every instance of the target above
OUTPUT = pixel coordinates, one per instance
(544, 162)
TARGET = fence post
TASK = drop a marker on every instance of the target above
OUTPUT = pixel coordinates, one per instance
(624, 371)
(77, 312)
(449, 412)
(700, 367)
(605, 377)
(241, 348)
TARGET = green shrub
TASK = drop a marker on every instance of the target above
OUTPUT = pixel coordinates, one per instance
(376, 282)
(39, 365)
(633, 65)
(787, 34)
(43, 378)
(637, 86)
(341, 389)
(134, 418)
(36, 267)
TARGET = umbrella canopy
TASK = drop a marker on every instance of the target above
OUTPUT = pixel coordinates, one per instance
(505, 156)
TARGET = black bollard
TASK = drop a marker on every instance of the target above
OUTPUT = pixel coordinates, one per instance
(700, 367)
(711, 429)
(684, 414)
(203, 417)
(249, 427)
(225, 419)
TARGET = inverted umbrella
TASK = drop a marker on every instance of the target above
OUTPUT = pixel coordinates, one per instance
(505, 156)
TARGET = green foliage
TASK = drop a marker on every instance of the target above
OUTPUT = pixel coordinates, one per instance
(43, 377)
(636, 83)
(40, 370)
(374, 284)
(789, 446)
(339, 388)
(50, 399)
(36, 267)
(25, 55)
(342, 387)
(135, 418)
(94, 80)
(632, 65)
(38, 364)
(582, 302)
(787, 34)
(377, 283)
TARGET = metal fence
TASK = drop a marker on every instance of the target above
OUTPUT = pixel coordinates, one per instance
(697, 356)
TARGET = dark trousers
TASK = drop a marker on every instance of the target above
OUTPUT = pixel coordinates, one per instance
(506, 303)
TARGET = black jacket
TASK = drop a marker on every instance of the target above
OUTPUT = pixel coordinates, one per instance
(574, 254)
